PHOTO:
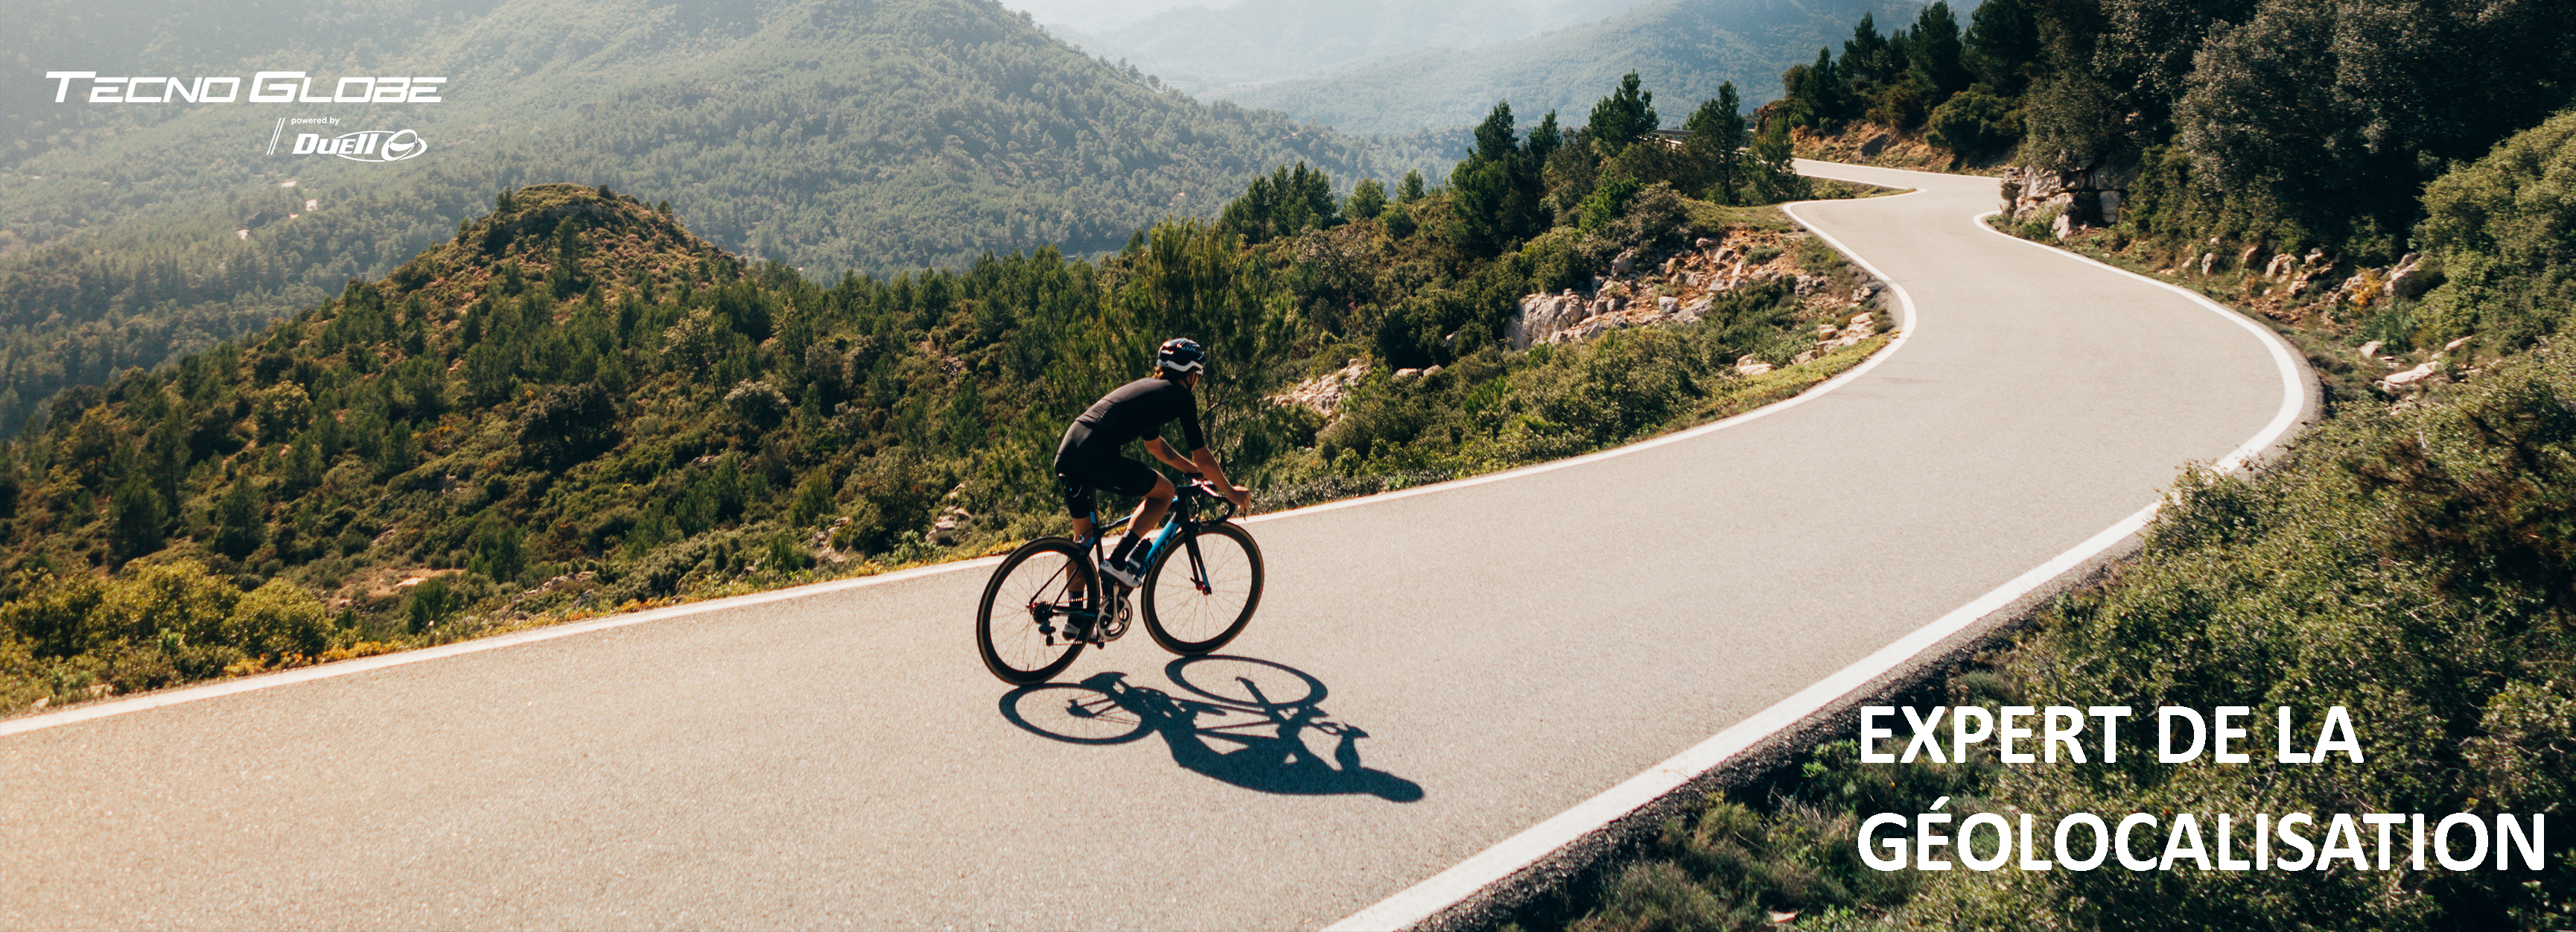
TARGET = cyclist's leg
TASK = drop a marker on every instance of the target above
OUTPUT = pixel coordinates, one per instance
(1081, 501)
(1148, 512)
(1095, 468)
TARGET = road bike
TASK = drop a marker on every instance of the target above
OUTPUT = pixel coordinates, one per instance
(1048, 600)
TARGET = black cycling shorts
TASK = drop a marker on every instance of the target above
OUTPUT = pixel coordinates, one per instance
(1083, 468)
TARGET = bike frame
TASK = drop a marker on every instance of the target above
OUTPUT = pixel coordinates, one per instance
(1180, 523)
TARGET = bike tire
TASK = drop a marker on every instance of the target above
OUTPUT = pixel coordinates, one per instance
(1190, 616)
(1050, 571)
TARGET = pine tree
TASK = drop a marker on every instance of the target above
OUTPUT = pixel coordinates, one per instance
(1624, 116)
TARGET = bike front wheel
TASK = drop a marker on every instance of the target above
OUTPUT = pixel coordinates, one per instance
(1019, 625)
(1201, 593)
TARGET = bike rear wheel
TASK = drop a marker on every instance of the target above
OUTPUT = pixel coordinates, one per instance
(1039, 584)
(1202, 593)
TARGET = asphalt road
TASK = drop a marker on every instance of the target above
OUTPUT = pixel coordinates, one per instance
(1482, 657)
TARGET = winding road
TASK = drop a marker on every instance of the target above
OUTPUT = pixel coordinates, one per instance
(1432, 673)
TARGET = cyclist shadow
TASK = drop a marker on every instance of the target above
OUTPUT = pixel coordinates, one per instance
(1248, 725)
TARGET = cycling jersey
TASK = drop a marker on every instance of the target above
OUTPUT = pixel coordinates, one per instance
(1089, 457)
(1139, 409)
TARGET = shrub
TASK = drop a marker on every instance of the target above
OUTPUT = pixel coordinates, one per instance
(1975, 124)
(279, 618)
(2500, 229)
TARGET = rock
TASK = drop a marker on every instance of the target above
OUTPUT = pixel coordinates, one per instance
(1805, 357)
(2110, 207)
(2043, 185)
(1624, 263)
(1666, 305)
(2414, 377)
(2370, 350)
(1323, 394)
(2208, 263)
(2279, 266)
(2455, 345)
(1749, 364)
(1875, 144)
(2410, 279)
(1669, 263)
(2314, 257)
(2064, 227)
(2245, 259)
(1700, 244)
(1427, 373)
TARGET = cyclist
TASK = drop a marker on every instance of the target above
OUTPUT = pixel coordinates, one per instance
(1089, 458)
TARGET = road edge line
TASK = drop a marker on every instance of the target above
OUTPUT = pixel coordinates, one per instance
(187, 694)
(1427, 899)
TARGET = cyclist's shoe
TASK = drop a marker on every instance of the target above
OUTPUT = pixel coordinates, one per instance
(1072, 631)
(1129, 572)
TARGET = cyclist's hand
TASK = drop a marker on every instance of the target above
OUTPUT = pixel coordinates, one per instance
(1241, 497)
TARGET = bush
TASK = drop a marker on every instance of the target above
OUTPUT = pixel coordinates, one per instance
(1975, 125)
(279, 618)
(2500, 229)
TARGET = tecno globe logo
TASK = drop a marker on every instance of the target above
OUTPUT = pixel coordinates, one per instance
(374, 145)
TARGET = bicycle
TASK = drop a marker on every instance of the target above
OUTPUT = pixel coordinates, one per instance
(1053, 601)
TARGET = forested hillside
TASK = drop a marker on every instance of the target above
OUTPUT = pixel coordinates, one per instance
(2281, 125)
(828, 135)
(575, 404)
(1207, 48)
(1687, 47)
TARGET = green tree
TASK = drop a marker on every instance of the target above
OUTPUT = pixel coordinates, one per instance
(1717, 138)
(1771, 173)
(498, 550)
(1816, 93)
(1868, 58)
(1368, 199)
(136, 519)
(1936, 54)
(1623, 117)
(1497, 189)
(2001, 45)
(240, 521)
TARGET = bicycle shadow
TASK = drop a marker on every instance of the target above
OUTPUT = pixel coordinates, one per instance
(1249, 725)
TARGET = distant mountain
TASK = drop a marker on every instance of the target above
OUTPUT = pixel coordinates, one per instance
(1092, 16)
(1210, 48)
(1683, 49)
(825, 133)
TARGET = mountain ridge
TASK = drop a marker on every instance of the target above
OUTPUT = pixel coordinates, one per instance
(1684, 49)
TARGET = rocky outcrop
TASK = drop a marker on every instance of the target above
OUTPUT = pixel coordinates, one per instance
(1677, 290)
(2077, 199)
(1323, 394)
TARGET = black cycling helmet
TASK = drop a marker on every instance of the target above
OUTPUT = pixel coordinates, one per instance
(1180, 354)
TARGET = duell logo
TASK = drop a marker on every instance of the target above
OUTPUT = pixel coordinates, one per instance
(374, 145)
